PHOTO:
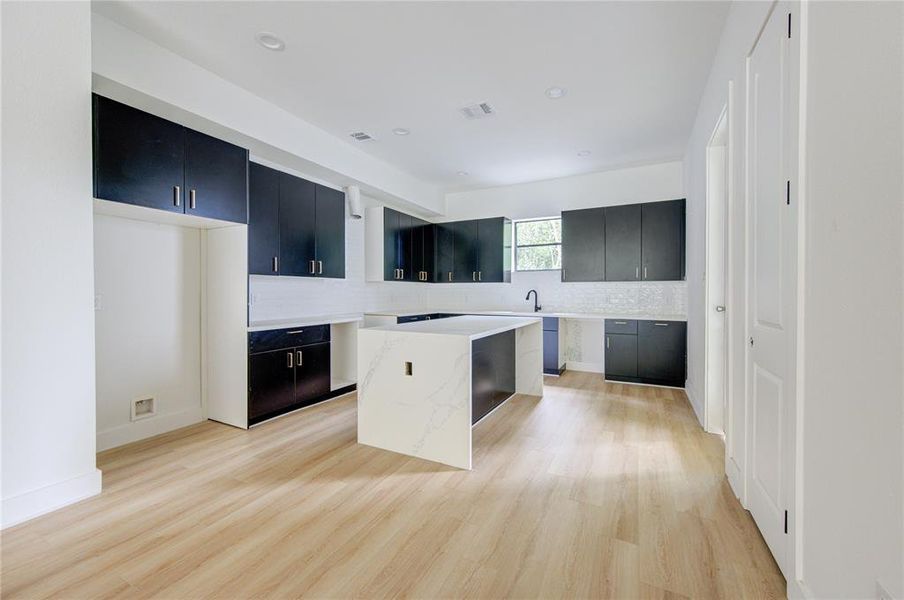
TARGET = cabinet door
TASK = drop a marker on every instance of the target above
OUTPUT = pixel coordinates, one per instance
(312, 373)
(297, 239)
(663, 241)
(406, 247)
(491, 250)
(621, 355)
(263, 220)
(271, 382)
(662, 351)
(466, 251)
(216, 178)
(138, 158)
(492, 372)
(623, 242)
(330, 230)
(391, 244)
(583, 245)
(444, 252)
(551, 352)
(428, 240)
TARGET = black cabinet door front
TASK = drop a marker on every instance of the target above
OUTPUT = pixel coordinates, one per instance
(263, 220)
(406, 248)
(444, 252)
(492, 372)
(391, 241)
(428, 241)
(297, 219)
(623, 242)
(466, 251)
(271, 382)
(312, 372)
(330, 230)
(138, 158)
(661, 351)
(663, 241)
(491, 250)
(551, 352)
(583, 245)
(216, 178)
(621, 355)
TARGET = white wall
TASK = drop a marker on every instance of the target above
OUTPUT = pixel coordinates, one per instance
(285, 297)
(148, 326)
(850, 504)
(853, 326)
(47, 305)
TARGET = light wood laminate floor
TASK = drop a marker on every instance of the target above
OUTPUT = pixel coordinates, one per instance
(596, 491)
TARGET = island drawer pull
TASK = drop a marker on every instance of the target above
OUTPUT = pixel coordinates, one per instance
(621, 322)
(661, 324)
(296, 332)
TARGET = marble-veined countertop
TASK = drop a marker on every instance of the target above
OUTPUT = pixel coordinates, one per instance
(470, 326)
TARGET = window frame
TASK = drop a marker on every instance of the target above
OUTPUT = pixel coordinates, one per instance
(516, 245)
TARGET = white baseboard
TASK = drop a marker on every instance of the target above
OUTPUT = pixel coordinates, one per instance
(49, 498)
(139, 430)
(797, 590)
(698, 409)
(585, 367)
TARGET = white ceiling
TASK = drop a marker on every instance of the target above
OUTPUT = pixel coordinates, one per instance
(634, 72)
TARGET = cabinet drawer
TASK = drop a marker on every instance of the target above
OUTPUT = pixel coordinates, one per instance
(550, 323)
(274, 339)
(653, 327)
(628, 326)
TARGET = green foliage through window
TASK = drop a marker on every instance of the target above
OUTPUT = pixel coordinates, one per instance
(538, 245)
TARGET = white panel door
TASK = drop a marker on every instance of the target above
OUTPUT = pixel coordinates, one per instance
(772, 290)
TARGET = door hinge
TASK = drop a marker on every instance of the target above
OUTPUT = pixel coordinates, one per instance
(786, 521)
(788, 192)
(789, 26)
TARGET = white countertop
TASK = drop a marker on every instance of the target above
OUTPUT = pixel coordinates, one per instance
(471, 326)
(305, 321)
(542, 313)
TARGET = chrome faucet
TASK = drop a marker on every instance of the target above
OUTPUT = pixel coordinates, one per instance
(537, 307)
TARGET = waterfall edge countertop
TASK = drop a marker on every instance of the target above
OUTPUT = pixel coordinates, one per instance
(528, 313)
(473, 327)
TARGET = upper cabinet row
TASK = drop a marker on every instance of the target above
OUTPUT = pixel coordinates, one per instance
(634, 242)
(404, 248)
(295, 227)
(148, 161)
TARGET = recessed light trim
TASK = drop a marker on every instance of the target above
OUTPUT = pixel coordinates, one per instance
(463, 173)
(400, 131)
(270, 41)
(584, 153)
(555, 93)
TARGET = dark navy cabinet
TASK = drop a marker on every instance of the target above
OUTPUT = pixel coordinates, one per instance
(492, 373)
(623, 242)
(465, 252)
(551, 363)
(148, 161)
(583, 245)
(444, 253)
(642, 351)
(295, 227)
(662, 240)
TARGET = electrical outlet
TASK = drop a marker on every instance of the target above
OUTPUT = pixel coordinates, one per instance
(142, 408)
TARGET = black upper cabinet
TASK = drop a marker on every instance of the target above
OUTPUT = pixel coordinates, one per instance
(297, 239)
(391, 244)
(406, 248)
(138, 158)
(662, 352)
(466, 251)
(421, 251)
(444, 253)
(263, 220)
(584, 245)
(663, 227)
(623, 242)
(330, 232)
(148, 161)
(494, 250)
(216, 178)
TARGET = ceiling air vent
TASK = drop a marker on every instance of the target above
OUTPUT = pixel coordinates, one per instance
(477, 111)
(361, 136)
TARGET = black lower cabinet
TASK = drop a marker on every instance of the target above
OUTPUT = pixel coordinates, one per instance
(653, 352)
(551, 364)
(492, 373)
(271, 383)
(312, 373)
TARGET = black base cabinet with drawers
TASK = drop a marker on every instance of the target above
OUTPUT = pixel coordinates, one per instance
(492, 373)
(288, 369)
(640, 351)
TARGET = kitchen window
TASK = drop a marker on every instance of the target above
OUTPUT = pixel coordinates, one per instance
(538, 245)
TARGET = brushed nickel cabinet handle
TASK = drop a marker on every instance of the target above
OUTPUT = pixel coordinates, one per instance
(450, 276)
(607, 342)
(290, 360)
(636, 272)
(661, 324)
(275, 264)
(299, 361)
(296, 332)
(644, 272)
(479, 275)
(401, 273)
(320, 267)
(312, 265)
(177, 195)
(621, 322)
(191, 199)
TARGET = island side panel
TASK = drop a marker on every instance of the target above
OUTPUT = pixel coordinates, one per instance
(529, 360)
(426, 414)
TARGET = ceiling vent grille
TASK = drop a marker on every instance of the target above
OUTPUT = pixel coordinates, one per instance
(480, 110)
(361, 136)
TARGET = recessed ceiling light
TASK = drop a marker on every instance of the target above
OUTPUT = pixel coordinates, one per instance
(400, 131)
(555, 92)
(463, 173)
(584, 153)
(269, 41)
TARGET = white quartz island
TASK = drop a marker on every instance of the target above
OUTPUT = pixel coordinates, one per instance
(422, 385)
